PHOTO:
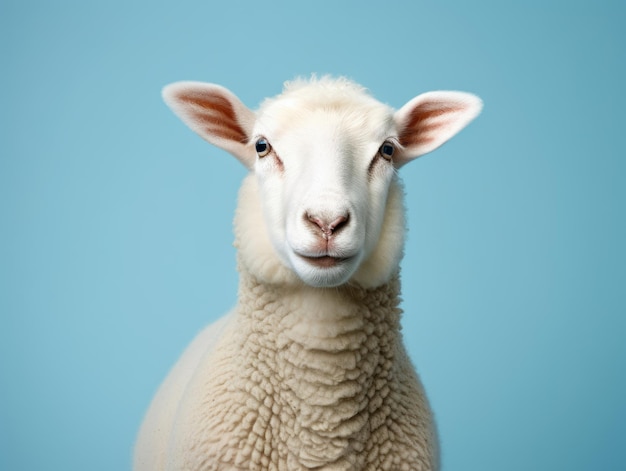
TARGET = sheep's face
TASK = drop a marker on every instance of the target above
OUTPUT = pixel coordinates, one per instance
(323, 203)
(324, 173)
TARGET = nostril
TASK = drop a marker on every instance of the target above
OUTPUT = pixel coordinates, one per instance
(315, 220)
(338, 223)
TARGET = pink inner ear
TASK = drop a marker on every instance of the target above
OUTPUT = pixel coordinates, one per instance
(423, 120)
(215, 114)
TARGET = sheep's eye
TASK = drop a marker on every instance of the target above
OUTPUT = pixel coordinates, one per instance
(386, 150)
(262, 147)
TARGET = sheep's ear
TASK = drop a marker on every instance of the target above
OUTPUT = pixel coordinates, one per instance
(216, 114)
(430, 119)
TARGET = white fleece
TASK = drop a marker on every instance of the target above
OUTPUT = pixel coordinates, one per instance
(299, 379)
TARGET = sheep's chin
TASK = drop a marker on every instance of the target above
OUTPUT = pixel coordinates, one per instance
(324, 272)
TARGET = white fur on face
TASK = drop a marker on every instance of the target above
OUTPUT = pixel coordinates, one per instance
(323, 206)
(326, 170)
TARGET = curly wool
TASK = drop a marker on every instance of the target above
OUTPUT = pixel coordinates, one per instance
(310, 379)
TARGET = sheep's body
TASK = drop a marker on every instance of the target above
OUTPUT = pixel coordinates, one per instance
(309, 370)
(344, 398)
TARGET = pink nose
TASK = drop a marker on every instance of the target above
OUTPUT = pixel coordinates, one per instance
(328, 225)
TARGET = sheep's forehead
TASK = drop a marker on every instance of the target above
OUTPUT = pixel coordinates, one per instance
(343, 106)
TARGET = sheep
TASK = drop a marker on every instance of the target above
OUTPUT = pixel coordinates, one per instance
(309, 370)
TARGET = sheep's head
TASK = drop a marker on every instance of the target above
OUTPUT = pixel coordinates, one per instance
(323, 200)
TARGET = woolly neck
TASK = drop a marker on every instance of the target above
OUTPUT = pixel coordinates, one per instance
(321, 362)
(307, 378)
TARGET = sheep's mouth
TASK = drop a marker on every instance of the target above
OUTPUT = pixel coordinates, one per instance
(324, 261)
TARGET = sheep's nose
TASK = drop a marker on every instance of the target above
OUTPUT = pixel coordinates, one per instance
(329, 225)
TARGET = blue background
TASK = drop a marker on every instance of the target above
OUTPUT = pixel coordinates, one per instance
(115, 240)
